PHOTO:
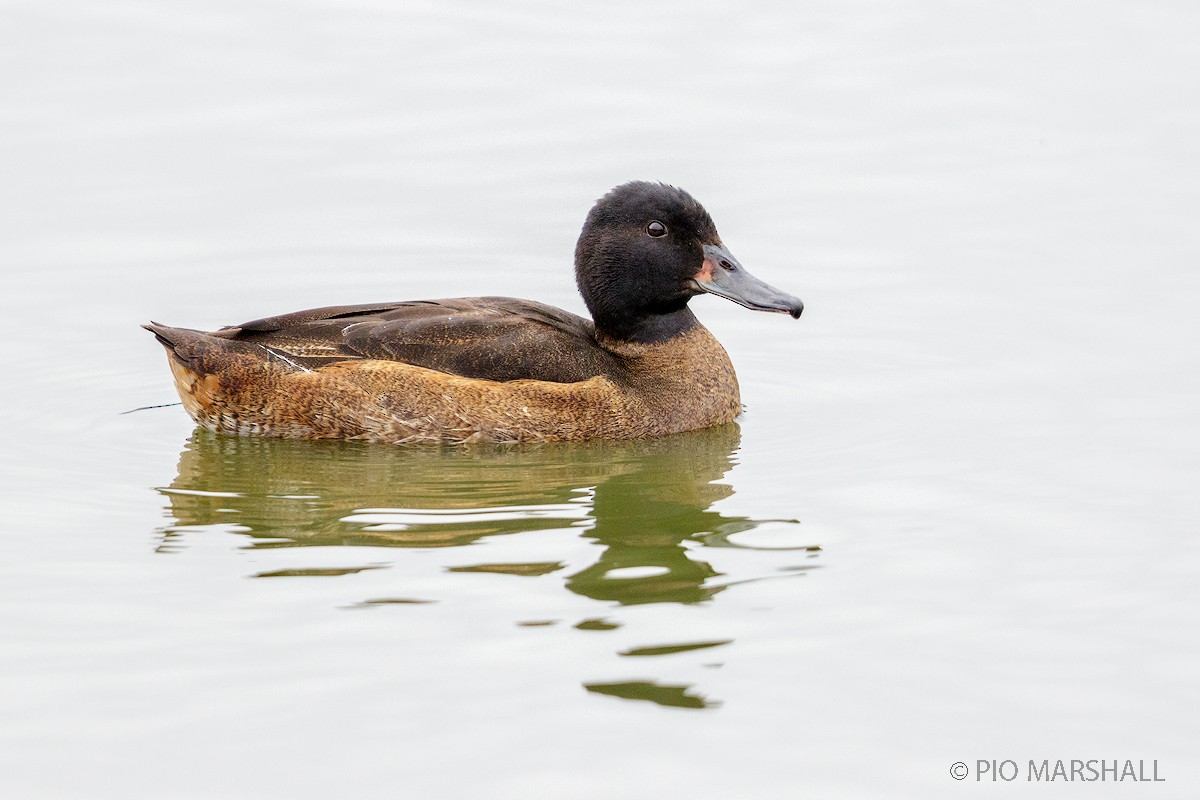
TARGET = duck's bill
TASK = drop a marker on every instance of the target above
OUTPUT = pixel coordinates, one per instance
(723, 276)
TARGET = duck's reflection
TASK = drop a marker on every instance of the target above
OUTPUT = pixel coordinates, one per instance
(649, 504)
(644, 501)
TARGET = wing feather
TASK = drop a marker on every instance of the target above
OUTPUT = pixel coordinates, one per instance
(493, 338)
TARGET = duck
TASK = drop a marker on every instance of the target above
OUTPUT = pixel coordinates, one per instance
(497, 369)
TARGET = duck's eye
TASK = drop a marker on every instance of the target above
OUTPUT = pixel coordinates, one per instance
(656, 229)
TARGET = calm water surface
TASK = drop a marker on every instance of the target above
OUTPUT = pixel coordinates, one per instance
(956, 522)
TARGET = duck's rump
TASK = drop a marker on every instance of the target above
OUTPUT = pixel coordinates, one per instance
(492, 338)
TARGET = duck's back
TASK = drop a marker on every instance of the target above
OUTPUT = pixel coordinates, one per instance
(491, 338)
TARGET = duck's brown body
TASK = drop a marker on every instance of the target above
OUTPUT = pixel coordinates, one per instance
(496, 368)
(247, 381)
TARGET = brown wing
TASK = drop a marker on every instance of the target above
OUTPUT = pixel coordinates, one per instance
(495, 338)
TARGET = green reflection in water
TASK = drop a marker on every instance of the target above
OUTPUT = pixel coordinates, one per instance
(313, 572)
(659, 693)
(391, 601)
(597, 624)
(671, 649)
(534, 569)
(642, 501)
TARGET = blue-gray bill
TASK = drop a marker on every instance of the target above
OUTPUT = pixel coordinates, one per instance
(724, 276)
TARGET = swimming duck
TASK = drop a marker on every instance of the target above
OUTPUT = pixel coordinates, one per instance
(497, 368)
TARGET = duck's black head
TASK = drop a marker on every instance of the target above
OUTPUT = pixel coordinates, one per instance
(647, 249)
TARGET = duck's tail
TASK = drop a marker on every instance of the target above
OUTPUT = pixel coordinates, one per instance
(197, 350)
(161, 332)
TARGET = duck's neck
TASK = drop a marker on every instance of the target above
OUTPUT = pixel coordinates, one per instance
(647, 328)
